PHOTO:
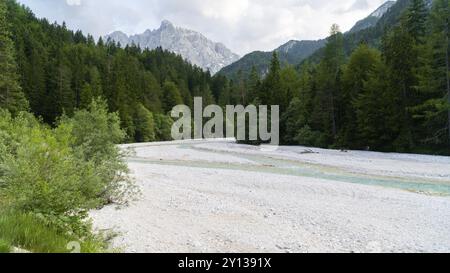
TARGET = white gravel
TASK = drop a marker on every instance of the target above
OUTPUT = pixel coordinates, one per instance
(204, 208)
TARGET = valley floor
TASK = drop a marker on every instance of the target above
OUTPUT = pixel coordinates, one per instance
(218, 196)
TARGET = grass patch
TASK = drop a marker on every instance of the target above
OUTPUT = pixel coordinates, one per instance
(5, 247)
(28, 232)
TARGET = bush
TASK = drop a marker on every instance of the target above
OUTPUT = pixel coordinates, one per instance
(308, 137)
(57, 175)
(94, 133)
(45, 177)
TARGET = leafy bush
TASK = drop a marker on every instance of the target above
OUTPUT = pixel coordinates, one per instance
(45, 177)
(94, 133)
(58, 175)
(306, 136)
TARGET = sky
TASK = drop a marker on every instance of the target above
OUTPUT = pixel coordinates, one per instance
(242, 25)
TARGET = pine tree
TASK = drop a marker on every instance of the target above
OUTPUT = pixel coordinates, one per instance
(11, 95)
(363, 61)
(416, 18)
(145, 125)
(172, 96)
(434, 86)
(327, 99)
(400, 55)
(254, 83)
(271, 92)
(376, 111)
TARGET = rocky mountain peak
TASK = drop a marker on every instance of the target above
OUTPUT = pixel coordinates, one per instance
(373, 18)
(191, 45)
(166, 24)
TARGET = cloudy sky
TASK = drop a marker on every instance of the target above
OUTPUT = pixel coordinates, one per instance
(242, 25)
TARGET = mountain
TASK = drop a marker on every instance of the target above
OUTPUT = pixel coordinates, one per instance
(191, 45)
(292, 52)
(373, 18)
(372, 35)
(295, 52)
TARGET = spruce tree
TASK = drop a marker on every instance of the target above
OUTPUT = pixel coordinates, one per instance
(416, 18)
(11, 95)
(363, 61)
(433, 111)
(327, 100)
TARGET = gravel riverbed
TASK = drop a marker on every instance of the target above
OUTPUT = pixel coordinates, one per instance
(223, 197)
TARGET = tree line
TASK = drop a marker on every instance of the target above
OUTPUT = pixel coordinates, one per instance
(395, 97)
(51, 71)
(390, 97)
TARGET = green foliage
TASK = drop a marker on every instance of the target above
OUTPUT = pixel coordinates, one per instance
(145, 125)
(163, 127)
(306, 136)
(433, 110)
(5, 247)
(416, 18)
(59, 174)
(394, 101)
(11, 96)
(172, 96)
(361, 66)
(62, 71)
(43, 176)
(93, 134)
(27, 231)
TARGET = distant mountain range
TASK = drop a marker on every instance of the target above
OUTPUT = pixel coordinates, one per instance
(215, 57)
(191, 45)
(294, 52)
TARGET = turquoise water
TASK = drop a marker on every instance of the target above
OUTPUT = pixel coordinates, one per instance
(293, 168)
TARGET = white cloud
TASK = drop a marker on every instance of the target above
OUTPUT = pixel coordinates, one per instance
(242, 25)
(73, 2)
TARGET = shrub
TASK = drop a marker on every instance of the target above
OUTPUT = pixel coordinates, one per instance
(94, 133)
(59, 174)
(43, 175)
(306, 136)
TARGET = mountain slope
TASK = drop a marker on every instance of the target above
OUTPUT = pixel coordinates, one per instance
(372, 35)
(373, 18)
(294, 52)
(191, 45)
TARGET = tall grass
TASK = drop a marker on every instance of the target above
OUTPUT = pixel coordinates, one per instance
(26, 231)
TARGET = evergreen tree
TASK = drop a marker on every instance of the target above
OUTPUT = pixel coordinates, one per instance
(376, 111)
(11, 95)
(433, 111)
(271, 92)
(360, 67)
(254, 84)
(400, 55)
(145, 125)
(172, 96)
(416, 18)
(327, 99)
